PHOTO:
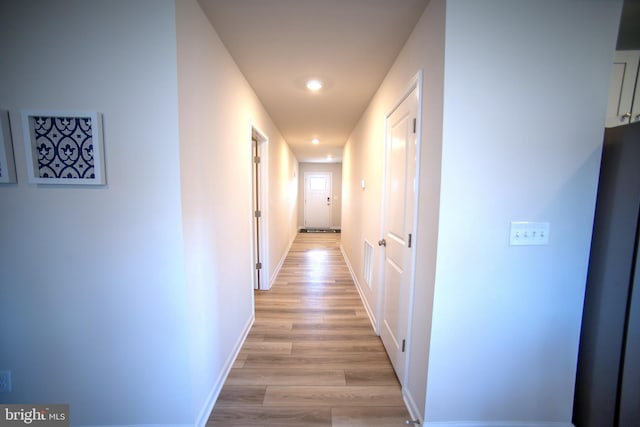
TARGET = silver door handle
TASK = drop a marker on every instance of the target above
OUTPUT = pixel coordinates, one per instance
(382, 242)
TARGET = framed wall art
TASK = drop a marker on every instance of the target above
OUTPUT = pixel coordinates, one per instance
(64, 148)
(7, 162)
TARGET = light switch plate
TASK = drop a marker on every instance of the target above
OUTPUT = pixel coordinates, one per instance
(526, 233)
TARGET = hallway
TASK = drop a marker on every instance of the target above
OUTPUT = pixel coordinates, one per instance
(311, 357)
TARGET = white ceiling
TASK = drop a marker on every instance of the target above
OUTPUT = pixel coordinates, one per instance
(348, 44)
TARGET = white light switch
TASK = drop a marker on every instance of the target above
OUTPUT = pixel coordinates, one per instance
(529, 233)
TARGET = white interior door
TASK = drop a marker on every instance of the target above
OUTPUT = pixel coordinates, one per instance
(400, 174)
(317, 200)
(259, 162)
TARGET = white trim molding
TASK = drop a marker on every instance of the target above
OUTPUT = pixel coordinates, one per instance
(496, 424)
(370, 314)
(203, 417)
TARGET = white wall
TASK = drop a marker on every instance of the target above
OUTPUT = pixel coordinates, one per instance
(512, 127)
(525, 92)
(217, 108)
(283, 197)
(336, 190)
(92, 301)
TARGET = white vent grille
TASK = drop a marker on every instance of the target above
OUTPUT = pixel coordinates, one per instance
(367, 263)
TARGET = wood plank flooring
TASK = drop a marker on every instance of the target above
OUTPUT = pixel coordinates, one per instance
(311, 358)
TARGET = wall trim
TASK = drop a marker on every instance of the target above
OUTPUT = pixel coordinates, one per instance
(263, 151)
(276, 270)
(210, 402)
(135, 425)
(496, 424)
(411, 404)
(372, 318)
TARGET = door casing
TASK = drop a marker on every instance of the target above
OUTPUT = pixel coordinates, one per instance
(414, 84)
(260, 234)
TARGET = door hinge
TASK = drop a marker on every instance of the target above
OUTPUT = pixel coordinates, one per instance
(404, 342)
(259, 267)
(258, 213)
(409, 239)
(256, 159)
(414, 125)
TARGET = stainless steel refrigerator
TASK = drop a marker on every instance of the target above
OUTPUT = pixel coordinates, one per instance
(608, 376)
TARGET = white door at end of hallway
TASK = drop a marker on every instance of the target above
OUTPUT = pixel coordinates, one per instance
(400, 173)
(317, 200)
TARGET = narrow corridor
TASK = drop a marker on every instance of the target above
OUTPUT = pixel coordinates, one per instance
(311, 357)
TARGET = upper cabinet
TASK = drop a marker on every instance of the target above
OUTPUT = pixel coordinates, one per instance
(623, 107)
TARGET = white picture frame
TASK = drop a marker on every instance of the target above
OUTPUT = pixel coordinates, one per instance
(7, 161)
(64, 147)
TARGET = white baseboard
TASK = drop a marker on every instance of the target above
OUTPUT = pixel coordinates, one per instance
(496, 424)
(372, 317)
(410, 403)
(210, 402)
(276, 271)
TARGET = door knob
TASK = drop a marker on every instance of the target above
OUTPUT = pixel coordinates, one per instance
(382, 242)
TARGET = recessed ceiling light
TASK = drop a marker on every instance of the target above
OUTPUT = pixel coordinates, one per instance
(314, 85)
(315, 141)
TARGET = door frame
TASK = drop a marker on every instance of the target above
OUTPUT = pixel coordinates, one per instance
(414, 84)
(260, 242)
(304, 195)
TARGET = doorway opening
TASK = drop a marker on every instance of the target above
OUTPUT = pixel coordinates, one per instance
(259, 213)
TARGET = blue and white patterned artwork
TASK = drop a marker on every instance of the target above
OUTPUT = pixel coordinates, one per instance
(65, 149)
(7, 165)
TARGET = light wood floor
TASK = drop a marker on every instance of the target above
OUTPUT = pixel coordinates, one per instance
(311, 358)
